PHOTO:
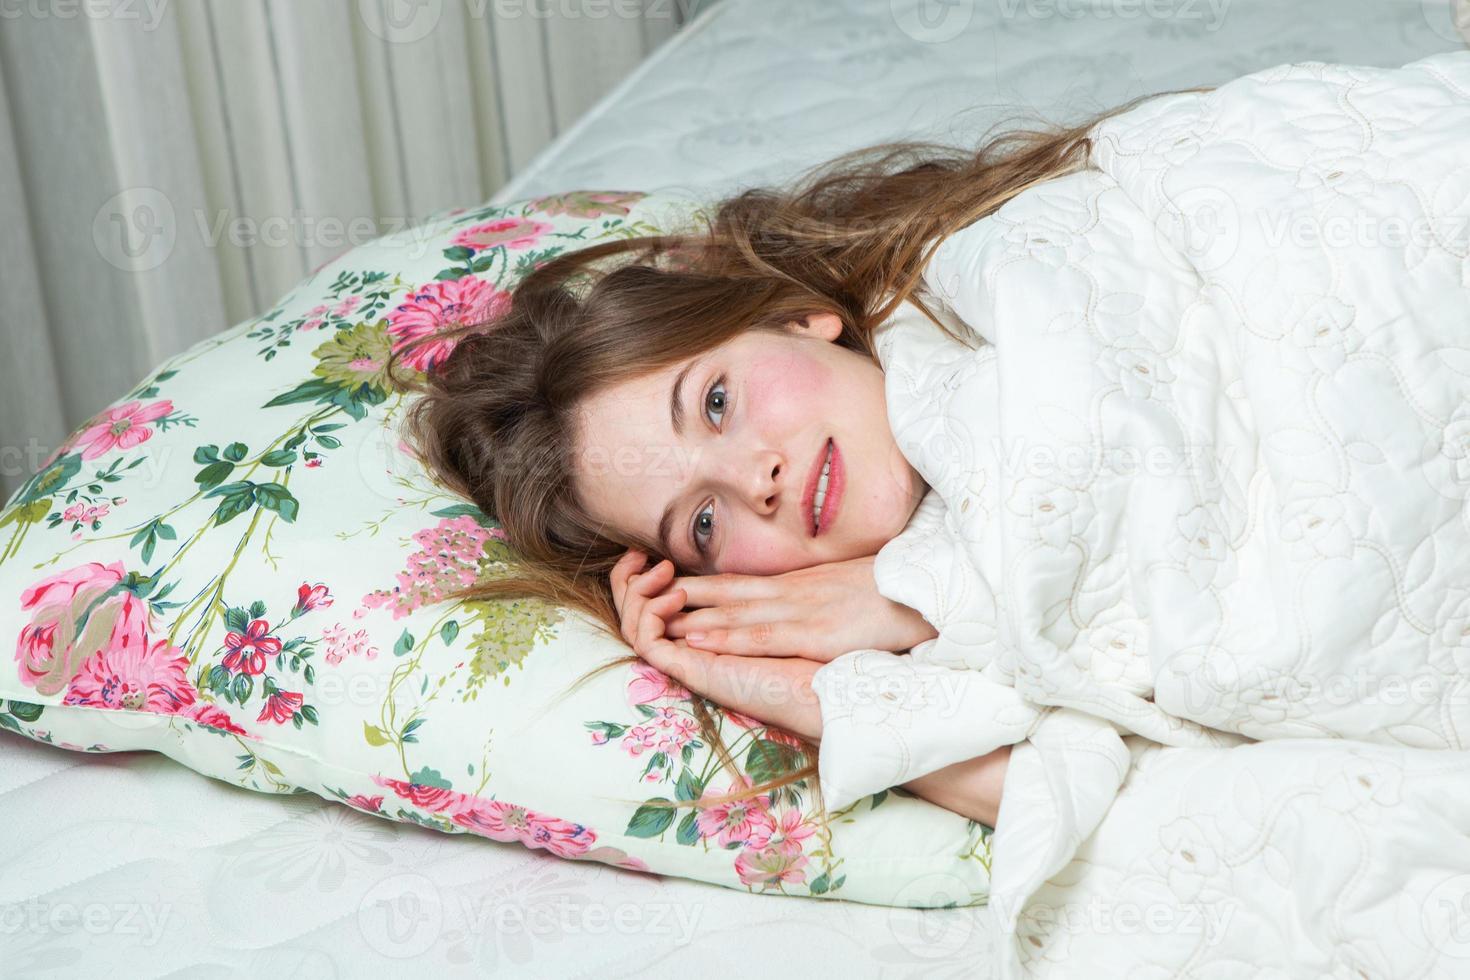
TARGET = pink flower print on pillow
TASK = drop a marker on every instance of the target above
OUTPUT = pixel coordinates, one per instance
(448, 559)
(281, 706)
(134, 677)
(510, 232)
(736, 821)
(650, 684)
(122, 427)
(438, 308)
(247, 652)
(51, 648)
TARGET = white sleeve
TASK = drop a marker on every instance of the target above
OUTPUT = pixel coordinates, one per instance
(888, 718)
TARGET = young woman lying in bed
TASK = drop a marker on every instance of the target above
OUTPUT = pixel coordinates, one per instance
(689, 438)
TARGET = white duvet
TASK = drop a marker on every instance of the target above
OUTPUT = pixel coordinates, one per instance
(1201, 479)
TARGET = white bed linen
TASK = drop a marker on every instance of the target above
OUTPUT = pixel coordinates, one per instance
(755, 90)
(129, 865)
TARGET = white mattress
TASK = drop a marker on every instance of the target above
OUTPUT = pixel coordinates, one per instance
(754, 91)
(130, 865)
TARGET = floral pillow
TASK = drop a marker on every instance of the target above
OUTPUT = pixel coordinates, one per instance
(240, 565)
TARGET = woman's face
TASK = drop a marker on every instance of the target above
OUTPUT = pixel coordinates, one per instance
(722, 456)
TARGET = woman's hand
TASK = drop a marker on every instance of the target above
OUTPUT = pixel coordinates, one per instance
(818, 613)
(772, 691)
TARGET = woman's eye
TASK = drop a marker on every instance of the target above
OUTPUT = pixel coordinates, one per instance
(704, 527)
(714, 401)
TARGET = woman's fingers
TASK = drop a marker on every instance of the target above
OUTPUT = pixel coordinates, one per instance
(735, 614)
(632, 561)
(719, 590)
(650, 627)
(755, 640)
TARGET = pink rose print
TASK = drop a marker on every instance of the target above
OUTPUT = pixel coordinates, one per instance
(510, 232)
(247, 653)
(440, 307)
(505, 822)
(134, 677)
(280, 707)
(771, 866)
(435, 799)
(372, 804)
(122, 427)
(791, 830)
(499, 821)
(736, 822)
(207, 714)
(49, 650)
(310, 597)
(650, 684)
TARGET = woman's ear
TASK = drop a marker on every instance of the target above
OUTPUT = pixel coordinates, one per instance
(827, 326)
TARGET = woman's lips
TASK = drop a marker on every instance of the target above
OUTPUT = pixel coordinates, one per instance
(835, 483)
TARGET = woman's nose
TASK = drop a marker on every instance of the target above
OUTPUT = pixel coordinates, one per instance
(763, 482)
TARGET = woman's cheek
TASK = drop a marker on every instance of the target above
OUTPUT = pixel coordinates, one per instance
(783, 389)
(757, 552)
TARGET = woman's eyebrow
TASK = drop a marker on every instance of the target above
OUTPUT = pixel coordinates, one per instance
(664, 525)
(676, 399)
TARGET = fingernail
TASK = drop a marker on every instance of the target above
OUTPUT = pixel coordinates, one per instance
(695, 637)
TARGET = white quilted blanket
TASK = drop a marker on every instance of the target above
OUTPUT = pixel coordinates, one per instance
(1202, 478)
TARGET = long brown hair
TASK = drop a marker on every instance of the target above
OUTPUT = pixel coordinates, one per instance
(851, 237)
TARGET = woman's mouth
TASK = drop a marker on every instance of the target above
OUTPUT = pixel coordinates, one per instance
(827, 494)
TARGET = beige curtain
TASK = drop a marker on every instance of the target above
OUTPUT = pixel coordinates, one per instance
(168, 169)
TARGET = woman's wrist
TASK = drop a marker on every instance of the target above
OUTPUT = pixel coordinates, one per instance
(971, 788)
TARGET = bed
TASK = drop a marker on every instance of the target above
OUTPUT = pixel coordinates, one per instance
(92, 873)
